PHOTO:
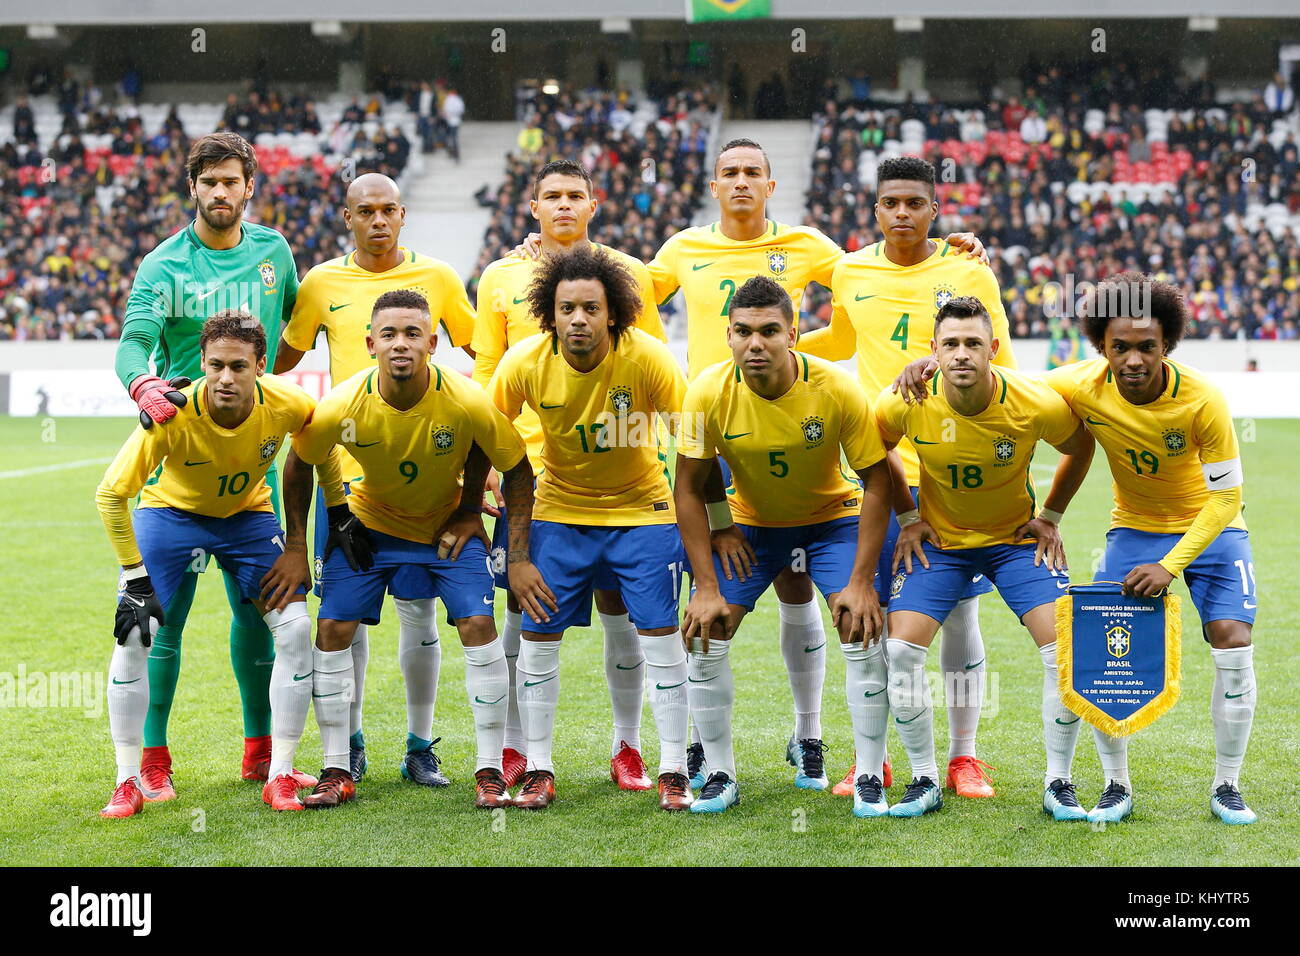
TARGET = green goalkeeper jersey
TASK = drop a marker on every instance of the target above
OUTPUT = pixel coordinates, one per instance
(182, 282)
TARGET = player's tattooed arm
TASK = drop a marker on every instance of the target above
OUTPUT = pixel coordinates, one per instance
(530, 589)
(1076, 457)
(466, 522)
(291, 568)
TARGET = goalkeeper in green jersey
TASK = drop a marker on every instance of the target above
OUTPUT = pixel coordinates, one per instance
(216, 262)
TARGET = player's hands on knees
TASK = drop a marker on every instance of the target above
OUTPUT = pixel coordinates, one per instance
(856, 613)
(459, 529)
(909, 544)
(530, 590)
(137, 607)
(1050, 548)
(281, 582)
(912, 380)
(159, 400)
(734, 551)
(348, 534)
(1147, 580)
(531, 248)
(970, 244)
(493, 487)
(706, 610)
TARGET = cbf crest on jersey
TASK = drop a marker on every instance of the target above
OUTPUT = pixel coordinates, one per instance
(444, 436)
(1175, 441)
(777, 261)
(266, 269)
(1119, 657)
(1004, 449)
(814, 431)
(620, 396)
(942, 293)
(266, 451)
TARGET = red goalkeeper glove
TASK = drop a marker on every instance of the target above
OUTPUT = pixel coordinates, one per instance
(158, 399)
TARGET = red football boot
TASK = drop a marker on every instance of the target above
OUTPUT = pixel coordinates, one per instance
(627, 769)
(336, 786)
(257, 758)
(513, 765)
(970, 777)
(127, 800)
(537, 792)
(282, 793)
(156, 775)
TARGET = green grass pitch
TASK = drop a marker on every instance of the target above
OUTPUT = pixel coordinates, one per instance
(59, 580)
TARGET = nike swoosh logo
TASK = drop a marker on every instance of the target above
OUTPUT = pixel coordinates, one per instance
(705, 681)
(480, 700)
(116, 681)
(335, 308)
(669, 686)
(1067, 723)
(909, 720)
(138, 602)
(975, 665)
(191, 464)
(521, 301)
(303, 676)
(335, 694)
(1220, 477)
(809, 650)
(859, 298)
(200, 298)
(734, 437)
(1092, 421)
(705, 266)
(549, 407)
(428, 643)
(366, 444)
(1062, 587)
(919, 441)
(534, 683)
(487, 601)
(1228, 696)
(867, 693)
(632, 668)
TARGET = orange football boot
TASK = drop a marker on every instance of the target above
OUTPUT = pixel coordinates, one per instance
(282, 793)
(490, 790)
(127, 800)
(336, 786)
(845, 787)
(537, 792)
(969, 777)
(674, 792)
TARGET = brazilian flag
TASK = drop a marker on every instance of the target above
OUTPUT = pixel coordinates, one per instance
(699, 11)
(1066, 346)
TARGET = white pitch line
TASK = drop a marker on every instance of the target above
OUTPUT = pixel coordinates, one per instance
(64, 466)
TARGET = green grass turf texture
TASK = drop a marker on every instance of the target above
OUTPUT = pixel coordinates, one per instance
(60, 577)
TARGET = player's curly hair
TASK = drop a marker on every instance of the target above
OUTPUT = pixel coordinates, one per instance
(760, 292)
(963, 307)
(563, 167)
(586, 261)
(218, 147)
(1134, 295)
(234, 324)
(909, 168)
(400, 299)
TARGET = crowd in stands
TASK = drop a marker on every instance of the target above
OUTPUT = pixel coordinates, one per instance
(77, 221)
(1206, 197)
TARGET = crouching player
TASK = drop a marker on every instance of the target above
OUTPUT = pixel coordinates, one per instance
(975, 436)
(205, 494)
(407, 527)
(781, 419)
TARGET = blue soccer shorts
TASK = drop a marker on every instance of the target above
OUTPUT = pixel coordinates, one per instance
(642, 563)
(409, 571)
(825, 551)
(884, 568)
(1221, 579)
(935, 591)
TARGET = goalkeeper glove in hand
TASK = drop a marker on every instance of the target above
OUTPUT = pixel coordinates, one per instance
(158, 399)
(136, 606)
(349, 535)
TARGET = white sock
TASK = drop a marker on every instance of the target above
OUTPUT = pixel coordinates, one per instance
(332, 689)
(866, 681)
(1113, 753)
(666, 670)
(963, 685)
(360, 659)
(487, 681)
(514, 736)
(1060, 724)
(290, 683)
(909, 699)
(128, 703)
(420, 654)
(625, 673)
(713, 694)
(537, 682)
(1232, 710)
(803, 645)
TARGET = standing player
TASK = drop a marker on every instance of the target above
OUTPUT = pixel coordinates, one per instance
(782, 420)
(563, 205)
(412, 428)
(217, 261)
(884, 299)
(204, 492)
(603, 510)
(338, 296)
(975, 438)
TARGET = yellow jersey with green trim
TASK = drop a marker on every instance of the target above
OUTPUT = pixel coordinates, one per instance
(976, 487)
(411, 460)
(708, 268)
(784, 453)
(504, 320)
(193, 464)
(884, 313)
(1162, 455)
(602, 459)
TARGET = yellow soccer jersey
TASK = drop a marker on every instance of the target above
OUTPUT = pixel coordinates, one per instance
(784, 453)
(708, 268)
(504, 321)
(193, 464)
(338, 296)
(410, 460)
(884, 313)
(976, 488)
(602, 461)
(1160, 454)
